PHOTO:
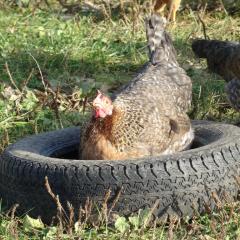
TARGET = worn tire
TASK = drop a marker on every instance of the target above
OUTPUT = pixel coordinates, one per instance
(182, 182)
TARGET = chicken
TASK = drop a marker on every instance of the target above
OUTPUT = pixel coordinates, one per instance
(223, 58)
(148, 115)
(173, 6)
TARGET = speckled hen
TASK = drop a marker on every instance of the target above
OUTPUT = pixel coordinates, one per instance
(148, 116)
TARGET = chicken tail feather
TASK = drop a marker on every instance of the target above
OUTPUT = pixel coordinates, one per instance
(233, 93)
(159, 42)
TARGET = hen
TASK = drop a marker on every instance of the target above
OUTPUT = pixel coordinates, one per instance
(223, 58)
(173, 6)
(148, 115)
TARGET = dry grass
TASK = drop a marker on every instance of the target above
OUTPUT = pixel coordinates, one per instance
(51, 64)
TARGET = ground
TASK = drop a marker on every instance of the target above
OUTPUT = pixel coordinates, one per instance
(51, 65)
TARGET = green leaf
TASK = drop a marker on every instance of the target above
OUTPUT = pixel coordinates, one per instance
(140, 220)
(20, 124)
(77, 227)
(41, 31)
(25, 2)
(51, 234)
(30, 223)
(122, 225)
(144, 216)
(135, 221)
(29, 102)
(4, 224)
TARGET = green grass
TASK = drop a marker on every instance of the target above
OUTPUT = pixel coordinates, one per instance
(224, 223)
(77, 56)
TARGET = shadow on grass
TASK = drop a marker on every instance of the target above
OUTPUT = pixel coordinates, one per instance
(63, 68)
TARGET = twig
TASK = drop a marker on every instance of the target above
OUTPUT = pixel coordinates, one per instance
(204, 27)
(10, 76)
(205, 8)
(6, 137)
(104, 206)
(150, 214)
(122, 11)
(115, 201)
(4, 140)
(44, 85)
(60, 209)
(55, 198)
(133, 18)
(71, 218)
(173, 221)
(14, 210)
(92, 6)
(237, 179)
(216, 199)
(224, 9)
(13, 223)
(87, 210)
(27, 80)
(56, 106)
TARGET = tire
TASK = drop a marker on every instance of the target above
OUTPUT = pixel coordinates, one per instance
(182, 182)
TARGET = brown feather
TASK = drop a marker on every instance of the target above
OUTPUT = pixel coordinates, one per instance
(149, 113)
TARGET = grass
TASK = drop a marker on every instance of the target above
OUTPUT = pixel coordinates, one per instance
(222, 224)
(51, 65)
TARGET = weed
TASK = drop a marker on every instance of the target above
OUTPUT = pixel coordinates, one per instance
(50, 67)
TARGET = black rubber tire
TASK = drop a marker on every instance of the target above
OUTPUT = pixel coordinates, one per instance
(182, 182)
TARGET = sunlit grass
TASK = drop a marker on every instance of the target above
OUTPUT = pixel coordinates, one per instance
(79, 55)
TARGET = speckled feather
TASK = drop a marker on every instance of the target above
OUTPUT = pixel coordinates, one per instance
(149, 116)
(223, 58)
